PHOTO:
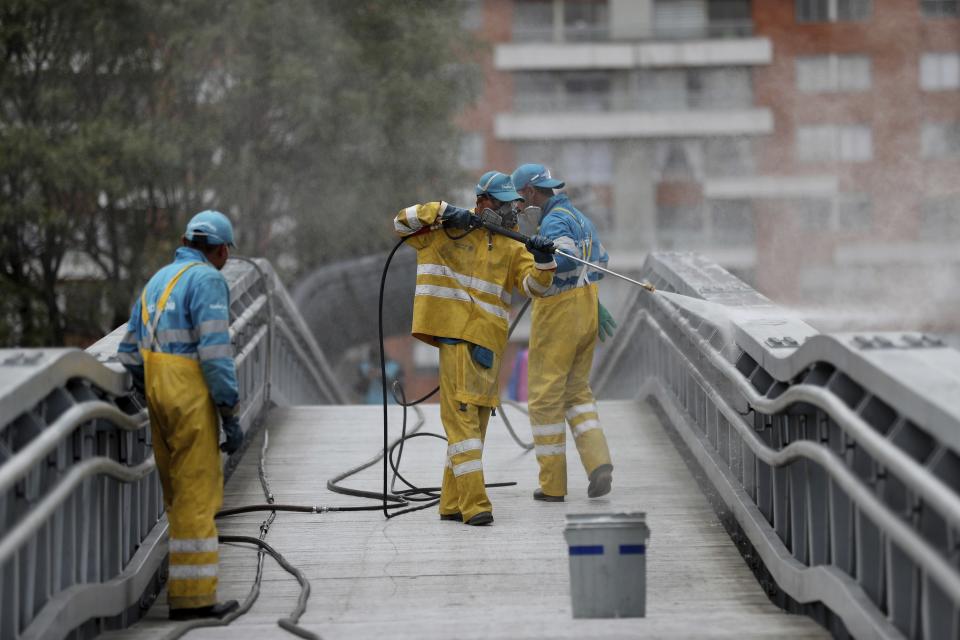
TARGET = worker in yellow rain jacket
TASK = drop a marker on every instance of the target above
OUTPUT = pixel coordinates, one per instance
(465, 276)
(178, 351)
(563, 335)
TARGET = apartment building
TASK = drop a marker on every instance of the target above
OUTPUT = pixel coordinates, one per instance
(808, 144)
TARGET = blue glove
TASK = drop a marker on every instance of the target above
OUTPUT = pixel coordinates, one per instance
(231, 428)
(456, 217)
(541, 248)
(605, 324)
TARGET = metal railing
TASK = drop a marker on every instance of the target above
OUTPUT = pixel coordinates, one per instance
(82, 530)
(837, 456)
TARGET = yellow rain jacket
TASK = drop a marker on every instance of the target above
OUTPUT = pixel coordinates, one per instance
(464, 283)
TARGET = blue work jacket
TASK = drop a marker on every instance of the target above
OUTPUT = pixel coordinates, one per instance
(574, 233)
(195, 323)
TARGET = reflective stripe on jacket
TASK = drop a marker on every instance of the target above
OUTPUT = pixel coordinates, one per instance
(195, 323)
(464, 284)
(574, 233)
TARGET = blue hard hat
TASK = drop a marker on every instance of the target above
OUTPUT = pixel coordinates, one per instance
(212, 225)
(497, 185)
(535, 175)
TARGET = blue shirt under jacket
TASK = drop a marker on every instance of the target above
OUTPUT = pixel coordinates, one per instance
(574, 233)
(195, 324)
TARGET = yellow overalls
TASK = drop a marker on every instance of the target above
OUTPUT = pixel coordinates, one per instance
(185, 429)
(563, 336)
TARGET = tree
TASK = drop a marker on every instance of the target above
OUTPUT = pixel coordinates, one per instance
(82, 146)
(308, 122)
(335, 115)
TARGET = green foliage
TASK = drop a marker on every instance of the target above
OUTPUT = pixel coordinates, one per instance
(308, 122)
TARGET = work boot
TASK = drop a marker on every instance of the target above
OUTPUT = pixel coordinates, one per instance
(540, 495)
(217, 610)
(456, 516)
(600, 480)
(482, 518)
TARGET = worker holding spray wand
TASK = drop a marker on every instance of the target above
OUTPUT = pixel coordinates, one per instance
(461, 306)
(566, 323)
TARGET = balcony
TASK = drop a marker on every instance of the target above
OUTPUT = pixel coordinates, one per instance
(633, 124)
(536, 56)
(597, 32)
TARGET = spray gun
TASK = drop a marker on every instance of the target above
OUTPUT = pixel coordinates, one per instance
(490, 221)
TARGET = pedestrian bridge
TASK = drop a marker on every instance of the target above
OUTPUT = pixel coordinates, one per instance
(795, 484)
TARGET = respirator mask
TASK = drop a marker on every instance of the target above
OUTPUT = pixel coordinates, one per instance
(504, 215)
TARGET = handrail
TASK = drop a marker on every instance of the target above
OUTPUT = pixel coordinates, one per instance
(904, 467)
(861, 536)
(88, 393)
(931, 562)
(48, 440)
(21, 533)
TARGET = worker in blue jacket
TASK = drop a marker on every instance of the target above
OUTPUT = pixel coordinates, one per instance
(567, 320)
(178, 351)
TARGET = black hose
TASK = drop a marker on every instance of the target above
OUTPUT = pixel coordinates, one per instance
(290, 622)
(503, 414)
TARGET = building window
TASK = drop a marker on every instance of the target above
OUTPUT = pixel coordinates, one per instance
(719, 88)
(833, 10)
(940, 140)
(825, 143)
(586, 92)
(940, 8)
(729, 19)
(833, 73)
(845, 213)
(670, 89)
(578, 163)
(940, 219)
(661, 90)
(533, 20)
(545, 91)
(728, 156)
(940, 71)
(585, 20)
(679, 18)
(560, 20)
(535, 91)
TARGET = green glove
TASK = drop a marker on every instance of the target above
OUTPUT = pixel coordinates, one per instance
(605, 324)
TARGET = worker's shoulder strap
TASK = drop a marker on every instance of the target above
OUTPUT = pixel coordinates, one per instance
(586, 242)
(161, 304)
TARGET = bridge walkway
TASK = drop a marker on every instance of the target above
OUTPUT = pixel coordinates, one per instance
(418, 577)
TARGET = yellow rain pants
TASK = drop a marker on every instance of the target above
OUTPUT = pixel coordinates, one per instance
(467, 393)
(185, 429)
(563, 336)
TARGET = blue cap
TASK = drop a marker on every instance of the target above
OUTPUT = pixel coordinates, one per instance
(212, 225)
(497, 185)
(535, 175)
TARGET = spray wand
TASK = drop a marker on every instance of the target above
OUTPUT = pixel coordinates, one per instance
(485, 220)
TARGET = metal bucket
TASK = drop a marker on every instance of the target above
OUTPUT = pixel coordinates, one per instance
(608, 564)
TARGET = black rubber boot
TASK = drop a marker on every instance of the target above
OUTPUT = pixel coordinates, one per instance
(600, 480)
(543, 497)
(456, 516)
(217, 610)
(482, 518)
